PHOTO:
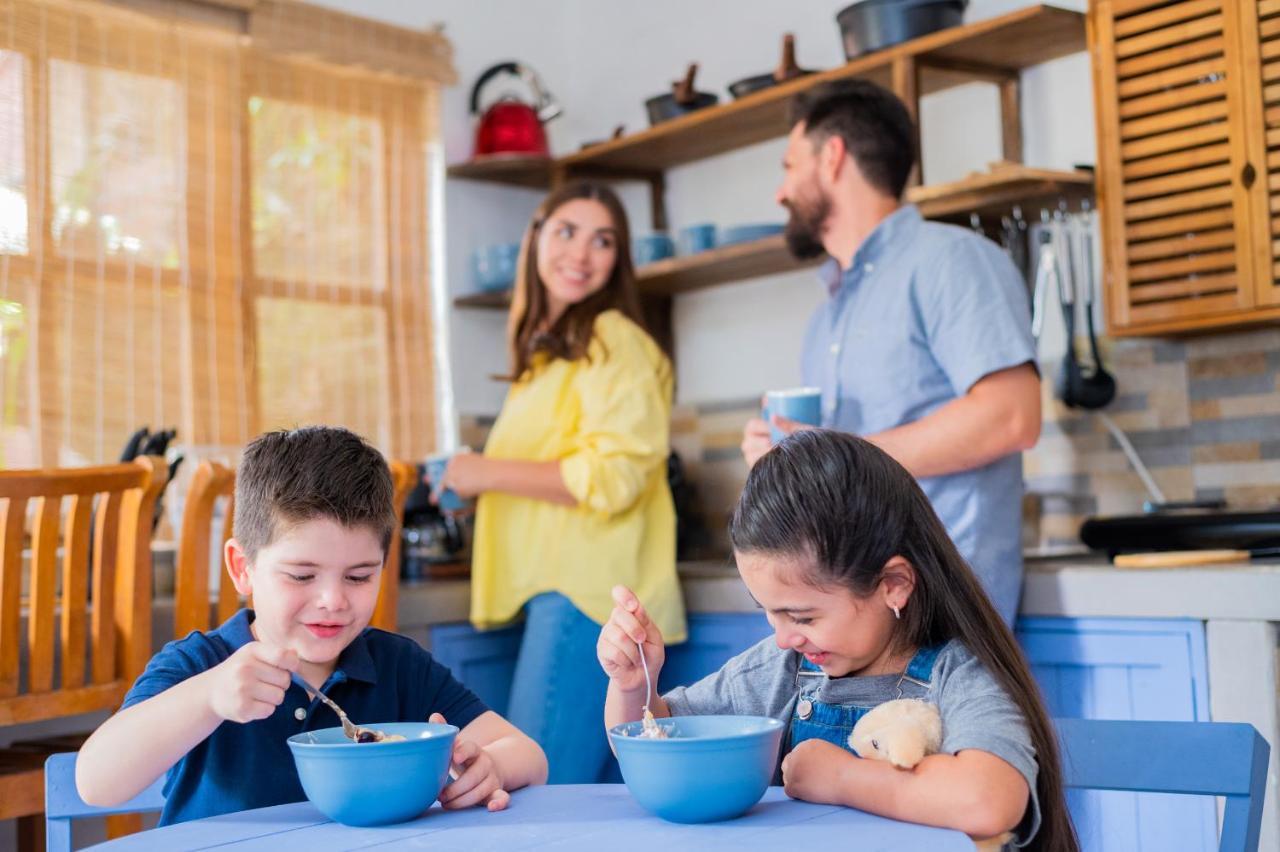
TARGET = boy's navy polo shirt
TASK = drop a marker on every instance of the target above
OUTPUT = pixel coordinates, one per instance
(380, 677)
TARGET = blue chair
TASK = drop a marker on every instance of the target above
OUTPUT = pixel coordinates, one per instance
(1194, 758)
(62, 803)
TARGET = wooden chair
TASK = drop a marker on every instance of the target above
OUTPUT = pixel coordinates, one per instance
(191, 580)
(191, 592)
(1226, 759)
(403, 477)
(62, 802)
(88, 621)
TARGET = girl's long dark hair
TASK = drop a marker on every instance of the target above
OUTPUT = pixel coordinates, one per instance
(571, 334)
(849, 508)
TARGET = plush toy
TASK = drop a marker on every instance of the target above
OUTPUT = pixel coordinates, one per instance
(902, 732)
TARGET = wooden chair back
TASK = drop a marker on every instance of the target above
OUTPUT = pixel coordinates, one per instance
(88, 614)
(192, 607)
(403, 477)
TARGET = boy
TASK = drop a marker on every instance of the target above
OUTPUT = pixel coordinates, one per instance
(313, 518)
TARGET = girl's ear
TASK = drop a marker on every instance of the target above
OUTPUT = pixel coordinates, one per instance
(897, 582)
(238, 567)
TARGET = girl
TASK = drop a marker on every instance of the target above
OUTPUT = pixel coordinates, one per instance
(869, 601)
(572, 486)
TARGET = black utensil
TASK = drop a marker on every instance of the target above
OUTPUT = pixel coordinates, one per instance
(1102, 385)
(682, 99)
(787, 70)
(1075, 387)
(134, 444)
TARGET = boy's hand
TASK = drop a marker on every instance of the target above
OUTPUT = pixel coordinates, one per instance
(475, 777)
(812, 771)
(616, 649)
(251, 683)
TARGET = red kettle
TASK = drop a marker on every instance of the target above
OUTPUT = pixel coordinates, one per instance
(511, 126)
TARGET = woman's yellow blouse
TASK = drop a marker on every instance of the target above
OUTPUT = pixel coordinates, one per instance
(605, 419)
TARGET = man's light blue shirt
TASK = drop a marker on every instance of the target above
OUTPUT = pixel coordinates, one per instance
(924, 311)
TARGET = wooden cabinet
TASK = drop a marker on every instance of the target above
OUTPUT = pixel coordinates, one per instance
(1188, 121)
(1112, 668)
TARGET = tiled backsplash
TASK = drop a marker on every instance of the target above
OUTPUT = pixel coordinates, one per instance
(1202, 413)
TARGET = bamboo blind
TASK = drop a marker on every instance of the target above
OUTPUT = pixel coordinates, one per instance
(197, 231)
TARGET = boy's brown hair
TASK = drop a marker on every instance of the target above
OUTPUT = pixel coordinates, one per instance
(293, 476)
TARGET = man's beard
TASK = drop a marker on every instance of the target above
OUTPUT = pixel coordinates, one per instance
(804, 228)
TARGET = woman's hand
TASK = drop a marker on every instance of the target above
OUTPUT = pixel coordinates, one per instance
(467, 474)
(813, 770)
(616, 648)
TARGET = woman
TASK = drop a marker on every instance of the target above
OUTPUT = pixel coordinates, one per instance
(573, 497)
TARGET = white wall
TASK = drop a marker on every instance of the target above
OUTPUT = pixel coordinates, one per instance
(601, 60)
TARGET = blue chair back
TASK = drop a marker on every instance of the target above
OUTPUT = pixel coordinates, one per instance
(1196, 758)
(62, 803)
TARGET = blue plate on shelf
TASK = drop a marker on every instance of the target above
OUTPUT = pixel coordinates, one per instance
(748, 233)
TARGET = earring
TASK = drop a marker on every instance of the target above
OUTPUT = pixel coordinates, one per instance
(897, 613)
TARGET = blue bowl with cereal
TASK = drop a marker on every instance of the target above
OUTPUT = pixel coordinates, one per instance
(706, 768)
(374, 783)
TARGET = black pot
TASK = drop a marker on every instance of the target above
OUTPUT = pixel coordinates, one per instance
(874, 24)
(747, 85)
(683, 99)
(666, 107)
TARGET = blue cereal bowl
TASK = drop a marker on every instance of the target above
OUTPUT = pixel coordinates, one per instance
(374, 783)
(710, 768)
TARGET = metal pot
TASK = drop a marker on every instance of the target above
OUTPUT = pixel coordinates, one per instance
(874, 24)
(786, 70)
(683, 99)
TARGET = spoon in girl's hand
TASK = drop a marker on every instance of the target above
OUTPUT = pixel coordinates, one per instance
(648, 726)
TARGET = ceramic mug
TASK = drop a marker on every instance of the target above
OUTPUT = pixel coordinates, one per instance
(449, 499)
(697, 238)
(803, 405)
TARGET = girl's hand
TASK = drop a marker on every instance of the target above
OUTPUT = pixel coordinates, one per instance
(476, 777)
(616, 648)
(251, 683)
(813, 770)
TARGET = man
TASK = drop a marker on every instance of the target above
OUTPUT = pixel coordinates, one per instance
(924, 346)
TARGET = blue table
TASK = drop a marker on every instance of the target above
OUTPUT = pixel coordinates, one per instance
(597, 817)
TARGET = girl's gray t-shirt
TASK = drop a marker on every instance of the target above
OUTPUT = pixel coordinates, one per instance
(976, 712)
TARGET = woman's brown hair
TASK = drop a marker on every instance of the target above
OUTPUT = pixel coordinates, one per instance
(849, 508)
(570, 335)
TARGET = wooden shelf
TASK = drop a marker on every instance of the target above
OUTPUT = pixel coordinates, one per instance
(994, 193)
(994, 49)
(524, 171)
(991, 195)
(499, 299)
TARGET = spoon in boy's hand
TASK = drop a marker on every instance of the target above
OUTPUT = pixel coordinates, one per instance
(352, 731)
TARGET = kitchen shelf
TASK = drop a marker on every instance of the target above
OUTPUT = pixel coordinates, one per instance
(534, 172)
(500, 299)
(990, 194)
(995, 49)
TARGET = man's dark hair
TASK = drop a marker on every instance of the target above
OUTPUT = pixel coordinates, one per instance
(875, 125)
(293, 476)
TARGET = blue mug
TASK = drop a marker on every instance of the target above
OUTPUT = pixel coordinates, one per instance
(650, 248)
(803, 405)
(697, 238)
(449, 499)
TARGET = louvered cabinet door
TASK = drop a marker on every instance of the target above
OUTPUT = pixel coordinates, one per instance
(1175, 218)
(1260, 46)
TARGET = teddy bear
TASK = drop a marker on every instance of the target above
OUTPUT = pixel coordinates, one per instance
(902, 732)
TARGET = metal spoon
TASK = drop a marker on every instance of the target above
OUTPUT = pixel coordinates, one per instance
(352, 731)
(648, 724)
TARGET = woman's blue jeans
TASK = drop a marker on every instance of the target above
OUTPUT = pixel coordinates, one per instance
(557, 694)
